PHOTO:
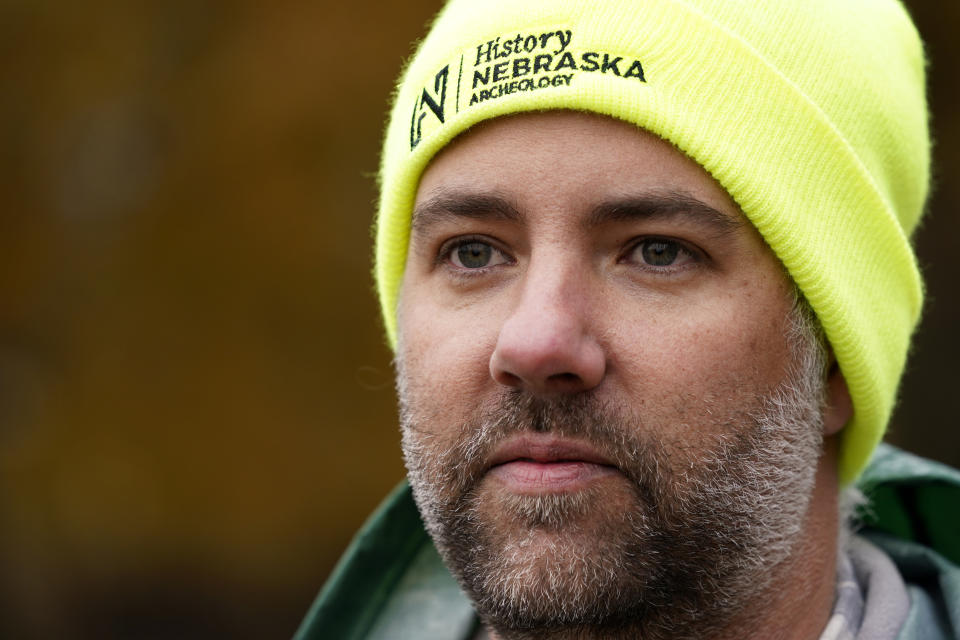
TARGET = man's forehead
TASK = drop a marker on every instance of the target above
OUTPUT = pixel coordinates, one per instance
(610, 170)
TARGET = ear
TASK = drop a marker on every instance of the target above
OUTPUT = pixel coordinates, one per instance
(839, 406)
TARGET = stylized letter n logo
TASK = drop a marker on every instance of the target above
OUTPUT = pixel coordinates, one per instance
(435, 104)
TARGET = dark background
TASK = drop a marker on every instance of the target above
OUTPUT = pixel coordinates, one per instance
(196, 405)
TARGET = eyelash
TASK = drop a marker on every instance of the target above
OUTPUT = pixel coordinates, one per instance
(444, 254)
(692, 255)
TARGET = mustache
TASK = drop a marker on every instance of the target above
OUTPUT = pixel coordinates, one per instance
(614, 433)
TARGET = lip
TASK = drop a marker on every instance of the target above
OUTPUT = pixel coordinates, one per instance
(546, 448)
(546, 463)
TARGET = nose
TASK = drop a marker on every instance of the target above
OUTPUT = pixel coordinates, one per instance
(548, 344)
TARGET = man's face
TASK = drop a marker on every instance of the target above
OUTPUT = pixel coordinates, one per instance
(607, 424)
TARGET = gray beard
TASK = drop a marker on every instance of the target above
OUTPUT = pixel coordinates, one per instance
(700, 541)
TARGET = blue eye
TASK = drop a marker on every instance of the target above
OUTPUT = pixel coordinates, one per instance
(472, 255)
(659, 253)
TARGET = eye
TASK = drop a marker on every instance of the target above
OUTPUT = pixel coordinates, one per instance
(660, 253)
(475, 254)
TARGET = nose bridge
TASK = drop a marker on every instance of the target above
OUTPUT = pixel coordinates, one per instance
(555, 293)
(548, 343)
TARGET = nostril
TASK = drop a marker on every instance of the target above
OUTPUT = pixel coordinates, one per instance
(510, 379)
(565, 378)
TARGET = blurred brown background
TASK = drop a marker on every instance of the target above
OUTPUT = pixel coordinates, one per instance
(196, 407)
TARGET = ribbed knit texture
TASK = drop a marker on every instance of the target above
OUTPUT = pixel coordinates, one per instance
(812, 115)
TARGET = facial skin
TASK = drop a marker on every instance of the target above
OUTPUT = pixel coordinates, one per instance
(608, 428)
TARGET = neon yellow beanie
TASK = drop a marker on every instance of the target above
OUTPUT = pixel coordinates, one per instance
(810, 113)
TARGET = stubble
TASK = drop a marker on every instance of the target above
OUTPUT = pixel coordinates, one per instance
(675, 548)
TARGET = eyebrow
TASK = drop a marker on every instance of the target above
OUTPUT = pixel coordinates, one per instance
(666, 205)
(447, 206)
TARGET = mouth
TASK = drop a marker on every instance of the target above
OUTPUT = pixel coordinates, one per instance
(534, 463)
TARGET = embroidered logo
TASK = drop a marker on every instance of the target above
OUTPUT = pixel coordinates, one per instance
(426, 101)
(511, 64)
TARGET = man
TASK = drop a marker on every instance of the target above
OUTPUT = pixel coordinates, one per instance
(646, 267)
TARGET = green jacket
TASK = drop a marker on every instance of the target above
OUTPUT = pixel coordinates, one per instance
(391, 584)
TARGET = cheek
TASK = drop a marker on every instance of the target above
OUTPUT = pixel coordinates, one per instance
(445, 357)
(718, 354)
